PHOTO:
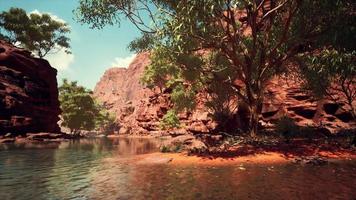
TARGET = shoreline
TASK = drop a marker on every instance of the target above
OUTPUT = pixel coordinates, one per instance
(238, 155)
(181, 159)
(260, 158)
(134, 136)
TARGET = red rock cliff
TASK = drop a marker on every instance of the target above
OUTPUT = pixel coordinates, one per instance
(139, 110)
(28, 92)
(119, 86)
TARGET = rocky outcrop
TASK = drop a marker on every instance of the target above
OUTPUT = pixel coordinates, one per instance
(120, 86)
(139, 110)
(285, 97)
(28, 93)
(183, 143)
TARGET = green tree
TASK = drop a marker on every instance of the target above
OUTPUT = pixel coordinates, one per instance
(105, 121)
(38, 33)
(332, 73)
(78, 107)
(330, 70)
(241, 44)
(80, 111)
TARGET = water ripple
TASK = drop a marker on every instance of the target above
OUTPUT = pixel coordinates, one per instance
(107, 169)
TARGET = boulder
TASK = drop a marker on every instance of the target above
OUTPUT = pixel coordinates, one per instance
(7, 140)
(124, 130)
(310, 160)
(183, 143)
(41, 136)
(198, 127)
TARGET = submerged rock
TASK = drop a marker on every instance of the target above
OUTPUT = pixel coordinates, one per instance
(155, 160)
(7, 140)
(43, 136)
(311, 160)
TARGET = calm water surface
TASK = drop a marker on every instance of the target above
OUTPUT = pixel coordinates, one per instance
(109, 169)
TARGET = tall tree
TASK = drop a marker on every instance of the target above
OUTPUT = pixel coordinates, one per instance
(238, 45)
(38, 33)
(78, 107)
(80, 111)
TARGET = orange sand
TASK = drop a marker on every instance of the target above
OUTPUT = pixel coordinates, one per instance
(262, 158)
(267, 158)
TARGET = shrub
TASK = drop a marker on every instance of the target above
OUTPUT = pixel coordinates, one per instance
(170, 120)
(346, 137)
(176, 148)
(165, 149)
(309, 132)
(287, 128)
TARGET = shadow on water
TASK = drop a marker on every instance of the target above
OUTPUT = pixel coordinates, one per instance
(107, 169)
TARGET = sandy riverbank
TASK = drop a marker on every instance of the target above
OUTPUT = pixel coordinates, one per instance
(260, 158)
(259, 154)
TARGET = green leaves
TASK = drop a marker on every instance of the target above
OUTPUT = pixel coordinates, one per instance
(142, 44)
(183, 97)
(332, 73)
(170, 120)
(326, 67)
(79, 109)
(236, 45)
(99, 13)
(38, 33)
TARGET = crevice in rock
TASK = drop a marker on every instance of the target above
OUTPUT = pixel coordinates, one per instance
(304, 112)
(269, 114)
(331, 108)
(345, 117)
(301, 97)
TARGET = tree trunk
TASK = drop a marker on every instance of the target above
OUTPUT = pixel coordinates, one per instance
(255, 110)
(253, 120)
(352, 109)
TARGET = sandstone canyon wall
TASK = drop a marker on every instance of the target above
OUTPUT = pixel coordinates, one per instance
(28, 93)
(139, 110)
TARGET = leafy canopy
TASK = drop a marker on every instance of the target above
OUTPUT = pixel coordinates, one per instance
(38, 33)
(232, 45)
(170, 120)
(332, 73)
(80, 111)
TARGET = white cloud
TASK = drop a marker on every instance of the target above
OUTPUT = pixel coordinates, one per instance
(123, 62)
(60, 60)
(55, 17)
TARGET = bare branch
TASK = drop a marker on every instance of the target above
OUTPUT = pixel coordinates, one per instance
(274, 9)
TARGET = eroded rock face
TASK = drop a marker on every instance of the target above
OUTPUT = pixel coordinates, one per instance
(121, 86)
(28, 93)
(285, 97)
(139, 110)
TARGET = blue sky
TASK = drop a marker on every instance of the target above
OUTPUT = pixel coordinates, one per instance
(93, 51)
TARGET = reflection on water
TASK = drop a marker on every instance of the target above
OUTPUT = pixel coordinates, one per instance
(107, 169)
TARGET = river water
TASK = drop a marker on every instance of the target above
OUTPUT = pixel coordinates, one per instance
(108, 169)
